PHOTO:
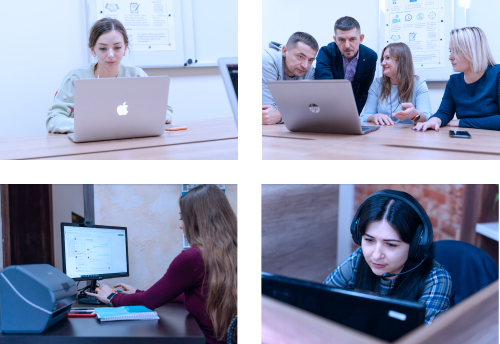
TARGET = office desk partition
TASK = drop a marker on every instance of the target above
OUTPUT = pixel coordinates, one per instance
(388, 142)
(199, 141)
(176, 325)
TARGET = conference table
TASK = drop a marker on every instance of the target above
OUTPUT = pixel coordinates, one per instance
(207, 139)
(175, 325)
(389, 142)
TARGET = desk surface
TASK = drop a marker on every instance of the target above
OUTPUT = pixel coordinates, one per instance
(390, 142)
(199, 141)
(209, 150)
(176, 325)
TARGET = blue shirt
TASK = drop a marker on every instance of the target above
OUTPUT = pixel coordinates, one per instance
(476, 104)
(420, 100)
(436, 294)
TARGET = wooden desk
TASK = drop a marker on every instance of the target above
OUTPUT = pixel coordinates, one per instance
(473, 321)
(212, 150)
(176, 325)
(304, 149)
(204, 139)
(390, 142)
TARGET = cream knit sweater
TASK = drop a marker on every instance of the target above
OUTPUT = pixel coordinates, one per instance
(60, 118)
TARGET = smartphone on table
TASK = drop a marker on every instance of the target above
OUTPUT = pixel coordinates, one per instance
(76, 313)
(460, 134)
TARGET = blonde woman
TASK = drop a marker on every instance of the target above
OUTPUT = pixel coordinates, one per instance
(399, 96)
(474, 94)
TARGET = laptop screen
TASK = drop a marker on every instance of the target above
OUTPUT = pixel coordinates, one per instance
(233, 74)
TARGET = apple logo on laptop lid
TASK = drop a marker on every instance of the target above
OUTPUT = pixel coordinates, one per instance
(314, 108)
(122, 109)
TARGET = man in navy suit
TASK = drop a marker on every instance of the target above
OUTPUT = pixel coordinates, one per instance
(346, 58)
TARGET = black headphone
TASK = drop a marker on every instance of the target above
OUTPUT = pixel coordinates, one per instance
(423, 237)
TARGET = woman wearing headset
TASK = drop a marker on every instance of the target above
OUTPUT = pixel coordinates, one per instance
(396, 254)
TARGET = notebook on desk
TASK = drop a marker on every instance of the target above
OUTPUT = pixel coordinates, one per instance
(120, 108)
(125, 313)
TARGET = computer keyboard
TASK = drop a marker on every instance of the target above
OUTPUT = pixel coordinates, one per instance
(89, 300)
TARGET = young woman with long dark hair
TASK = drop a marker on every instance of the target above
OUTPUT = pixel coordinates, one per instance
(387, 226)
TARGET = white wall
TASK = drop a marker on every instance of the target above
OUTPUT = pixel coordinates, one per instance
(281, 18)
(42, 41)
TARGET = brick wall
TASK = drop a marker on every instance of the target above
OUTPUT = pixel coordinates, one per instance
(443, 204)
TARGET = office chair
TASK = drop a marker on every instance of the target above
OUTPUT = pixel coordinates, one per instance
(230, 332)
(471, 268)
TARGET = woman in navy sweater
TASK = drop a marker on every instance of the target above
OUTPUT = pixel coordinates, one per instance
(474, 94)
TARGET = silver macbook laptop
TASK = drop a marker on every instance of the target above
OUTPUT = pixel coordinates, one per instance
(228, 67)
(120, 108)
(318, 106)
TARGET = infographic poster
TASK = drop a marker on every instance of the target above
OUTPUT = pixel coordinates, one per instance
(419, 24)
(149, 23)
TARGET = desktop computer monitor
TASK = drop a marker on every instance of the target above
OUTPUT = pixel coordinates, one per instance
(384, 317)
(94, 252)
(228, 67)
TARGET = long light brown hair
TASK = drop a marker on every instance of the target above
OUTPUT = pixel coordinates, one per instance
(210, 224)
(405, 73)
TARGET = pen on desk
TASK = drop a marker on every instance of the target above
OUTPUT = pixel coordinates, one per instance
(117, 290)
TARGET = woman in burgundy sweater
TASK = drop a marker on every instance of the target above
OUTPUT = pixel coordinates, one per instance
(204, 276)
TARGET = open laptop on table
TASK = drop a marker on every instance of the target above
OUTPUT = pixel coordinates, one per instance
(318, 106)
(228, 67)
(120, 108)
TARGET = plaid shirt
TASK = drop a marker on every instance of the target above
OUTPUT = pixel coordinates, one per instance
(436, 294)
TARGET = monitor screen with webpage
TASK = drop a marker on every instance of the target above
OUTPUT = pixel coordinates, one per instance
(96, 252)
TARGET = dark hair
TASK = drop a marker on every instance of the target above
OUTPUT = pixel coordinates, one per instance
(105, 25)
(302, 37)
(346, 24)
(405, 221)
